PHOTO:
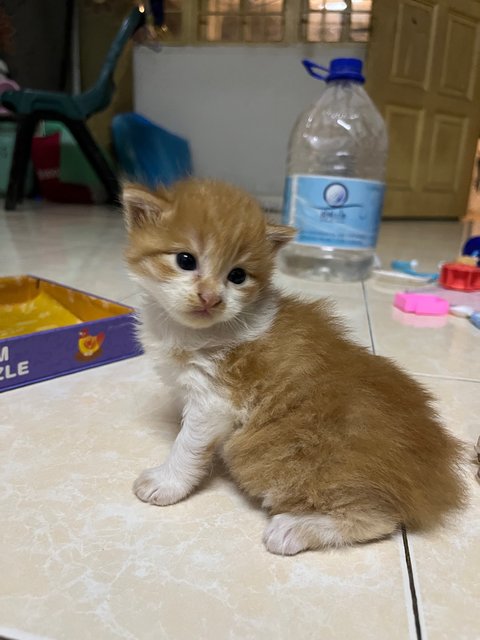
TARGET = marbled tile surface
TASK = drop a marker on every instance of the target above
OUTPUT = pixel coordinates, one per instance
(447, 562)
(82, 558)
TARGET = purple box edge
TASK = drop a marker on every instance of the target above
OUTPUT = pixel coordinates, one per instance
(120, 329)
(69, 372)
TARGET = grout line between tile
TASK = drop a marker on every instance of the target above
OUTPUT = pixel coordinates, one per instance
(413, 589)
(414, 624)
(407, 593)
(369, 320)
(438, 376)
(17, 634)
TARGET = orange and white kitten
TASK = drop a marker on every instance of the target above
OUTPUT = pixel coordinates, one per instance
(338, 445)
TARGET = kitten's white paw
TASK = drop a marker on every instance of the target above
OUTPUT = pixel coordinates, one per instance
(158, 486)
(282, 536)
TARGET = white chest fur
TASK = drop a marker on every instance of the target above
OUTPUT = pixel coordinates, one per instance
(198, 381)
(192, 377)
(207, 419)
(187, 360)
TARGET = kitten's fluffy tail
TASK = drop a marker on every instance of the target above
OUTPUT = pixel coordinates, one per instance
(287, 534)
(430, 503)
(437, 495)
(431, 493)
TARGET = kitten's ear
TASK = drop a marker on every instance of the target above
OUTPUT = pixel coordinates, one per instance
(142, 206)
(279, 234)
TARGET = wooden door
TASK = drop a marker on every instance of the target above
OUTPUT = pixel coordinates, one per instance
(423, 73)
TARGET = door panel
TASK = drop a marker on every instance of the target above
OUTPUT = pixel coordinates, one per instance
(461, 49)
(412, 50)
(405, 127)
(446, 147)
(423, 74)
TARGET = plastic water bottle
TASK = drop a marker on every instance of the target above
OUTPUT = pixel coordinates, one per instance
(335, 179)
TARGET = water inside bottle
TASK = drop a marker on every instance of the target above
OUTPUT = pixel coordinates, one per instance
(341, 139)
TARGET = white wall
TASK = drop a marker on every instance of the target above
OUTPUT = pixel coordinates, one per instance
(236, 105)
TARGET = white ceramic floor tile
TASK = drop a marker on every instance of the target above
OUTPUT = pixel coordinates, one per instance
(429, 242)
(84, 559)
(440, 346)
(79, 246)
(447, 561)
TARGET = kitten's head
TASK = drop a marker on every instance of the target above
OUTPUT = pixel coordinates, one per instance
(202, 249)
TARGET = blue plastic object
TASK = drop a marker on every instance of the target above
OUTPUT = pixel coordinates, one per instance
(340, 69)
(409, 267)
(149, 154)
(472, 247)
(475, 319)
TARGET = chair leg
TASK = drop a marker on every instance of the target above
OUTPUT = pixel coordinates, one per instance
(21, 157)
(96, 158)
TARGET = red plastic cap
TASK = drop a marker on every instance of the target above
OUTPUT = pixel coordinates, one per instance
(460, 277)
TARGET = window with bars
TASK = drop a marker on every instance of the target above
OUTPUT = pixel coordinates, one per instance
(265, 21)
(241, 21)
(336, 21)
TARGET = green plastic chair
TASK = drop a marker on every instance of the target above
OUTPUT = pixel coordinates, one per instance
(31, 106)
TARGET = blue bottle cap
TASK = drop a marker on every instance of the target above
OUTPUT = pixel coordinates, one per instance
(340, 69)
(345, 69)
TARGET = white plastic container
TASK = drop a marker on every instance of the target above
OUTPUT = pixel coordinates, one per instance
(335, 179)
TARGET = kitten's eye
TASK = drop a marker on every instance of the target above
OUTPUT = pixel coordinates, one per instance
(186, 261)
(237, 275)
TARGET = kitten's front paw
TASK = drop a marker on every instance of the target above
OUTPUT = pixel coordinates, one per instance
(158, 486)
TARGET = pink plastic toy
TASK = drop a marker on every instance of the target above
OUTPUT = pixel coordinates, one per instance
(421, 304)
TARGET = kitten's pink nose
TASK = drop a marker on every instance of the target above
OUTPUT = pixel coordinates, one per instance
(209, 299)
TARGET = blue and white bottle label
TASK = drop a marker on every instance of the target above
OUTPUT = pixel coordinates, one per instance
(332, 211)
